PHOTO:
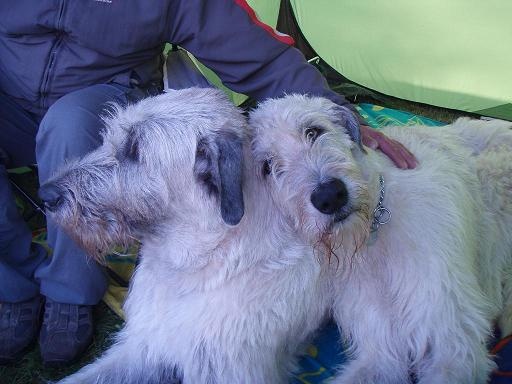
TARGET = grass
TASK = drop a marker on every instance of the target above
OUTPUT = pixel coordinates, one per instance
(29, 370)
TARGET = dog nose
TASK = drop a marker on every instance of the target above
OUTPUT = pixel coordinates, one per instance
(330, 197)
(50, 195)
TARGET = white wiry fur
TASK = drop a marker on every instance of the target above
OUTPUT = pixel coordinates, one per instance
(419, 303)
(210, 302)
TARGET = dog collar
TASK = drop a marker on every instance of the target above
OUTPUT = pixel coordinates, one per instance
(381, 215)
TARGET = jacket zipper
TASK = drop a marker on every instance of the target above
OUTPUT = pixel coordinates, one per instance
(45, 86)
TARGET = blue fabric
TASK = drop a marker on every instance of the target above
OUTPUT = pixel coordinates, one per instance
(322, 357)
(50, 48)
(68, 276)
(18, 260)
(377, 117)
(503, 351)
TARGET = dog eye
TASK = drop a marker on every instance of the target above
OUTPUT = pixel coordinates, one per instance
(312, 133)
(267, 167)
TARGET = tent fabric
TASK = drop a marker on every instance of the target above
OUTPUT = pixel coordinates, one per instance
(378, 117)
(454, 54)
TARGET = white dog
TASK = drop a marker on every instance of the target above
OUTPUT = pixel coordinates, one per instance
(217, 297)
(415, 298)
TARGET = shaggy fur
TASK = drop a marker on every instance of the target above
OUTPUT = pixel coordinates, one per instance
(418, 303)
(211, 302)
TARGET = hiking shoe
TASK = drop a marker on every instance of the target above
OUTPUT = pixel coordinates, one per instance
(19, 325)
(66, 332)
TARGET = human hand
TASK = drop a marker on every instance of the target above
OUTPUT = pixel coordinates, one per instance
(391, 148)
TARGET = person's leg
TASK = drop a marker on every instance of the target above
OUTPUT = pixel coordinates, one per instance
(20, 303)
(19, 258)
(72, 282)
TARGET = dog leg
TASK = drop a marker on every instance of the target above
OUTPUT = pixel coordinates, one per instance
(463, 362)
(505, 319)
(126, 363)
(371, 369)
(233, 365)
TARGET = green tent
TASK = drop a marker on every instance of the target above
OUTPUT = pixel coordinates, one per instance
(454, 54)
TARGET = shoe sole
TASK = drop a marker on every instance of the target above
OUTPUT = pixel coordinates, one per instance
(12, 360)
(59, 363)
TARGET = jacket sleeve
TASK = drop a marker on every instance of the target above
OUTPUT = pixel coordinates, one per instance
(248, 56)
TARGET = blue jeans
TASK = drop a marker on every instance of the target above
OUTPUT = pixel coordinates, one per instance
(70, 128)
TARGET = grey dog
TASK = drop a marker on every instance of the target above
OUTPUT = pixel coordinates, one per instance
(225, 292)
(416, 292)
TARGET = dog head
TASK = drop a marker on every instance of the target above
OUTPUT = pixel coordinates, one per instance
(174, 158)
(309, 164)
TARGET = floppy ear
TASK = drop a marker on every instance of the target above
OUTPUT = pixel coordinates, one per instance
(231, 170)
(347, 118)
(219, 165)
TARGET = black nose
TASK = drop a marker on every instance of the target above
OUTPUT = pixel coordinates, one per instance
(330, 197)
(50, 195)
